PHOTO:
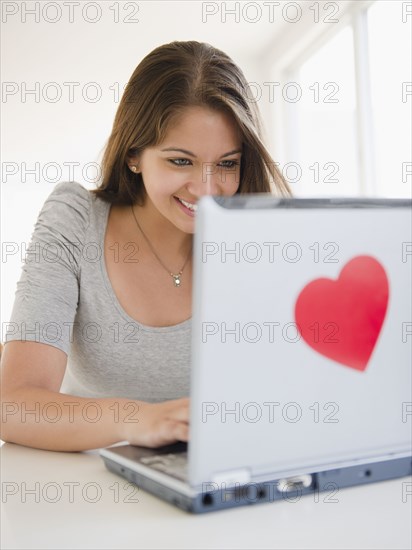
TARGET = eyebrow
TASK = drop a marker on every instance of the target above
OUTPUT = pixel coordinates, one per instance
(186, 152)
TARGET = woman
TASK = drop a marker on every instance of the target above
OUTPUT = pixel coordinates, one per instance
(106, 308)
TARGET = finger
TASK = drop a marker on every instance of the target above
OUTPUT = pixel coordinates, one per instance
(182, 401)
(181, 414)
(181, 432)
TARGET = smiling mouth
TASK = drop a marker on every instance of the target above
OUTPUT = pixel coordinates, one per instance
(192, 207)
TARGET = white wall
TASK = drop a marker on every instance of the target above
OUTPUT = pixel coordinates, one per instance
(41, 130)
(45, 136)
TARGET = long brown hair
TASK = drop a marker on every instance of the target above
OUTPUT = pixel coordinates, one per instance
(169, 79)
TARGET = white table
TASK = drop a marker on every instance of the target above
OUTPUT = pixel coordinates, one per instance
(77, 503)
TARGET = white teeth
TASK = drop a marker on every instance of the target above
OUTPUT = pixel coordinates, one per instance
(188, 205)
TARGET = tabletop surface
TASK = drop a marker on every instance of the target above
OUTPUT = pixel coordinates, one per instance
(70, 500)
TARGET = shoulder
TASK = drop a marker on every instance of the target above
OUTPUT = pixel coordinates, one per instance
(68, 191)
(68, 205)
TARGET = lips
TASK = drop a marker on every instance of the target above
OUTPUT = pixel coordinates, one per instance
(188, 206)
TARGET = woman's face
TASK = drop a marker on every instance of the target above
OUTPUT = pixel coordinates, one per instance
(200, 155)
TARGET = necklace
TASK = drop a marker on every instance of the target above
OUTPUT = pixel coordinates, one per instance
(176, 276)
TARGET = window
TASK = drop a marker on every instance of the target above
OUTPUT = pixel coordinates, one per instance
(350, 132)
(390, 66)
(327, 119)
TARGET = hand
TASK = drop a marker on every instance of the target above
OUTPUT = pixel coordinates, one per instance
(159, 423)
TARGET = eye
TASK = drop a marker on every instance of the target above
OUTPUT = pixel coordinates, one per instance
(231, 163)
(177, 162)
(227, 164)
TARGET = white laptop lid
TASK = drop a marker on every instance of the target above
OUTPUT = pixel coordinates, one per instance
(301, 336)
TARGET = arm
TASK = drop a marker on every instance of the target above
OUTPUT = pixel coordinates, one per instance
(35, 414)
(32, 371)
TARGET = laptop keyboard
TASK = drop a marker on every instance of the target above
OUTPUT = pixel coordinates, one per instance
(174, 465)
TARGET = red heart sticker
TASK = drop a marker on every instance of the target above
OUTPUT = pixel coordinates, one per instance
(341, 319)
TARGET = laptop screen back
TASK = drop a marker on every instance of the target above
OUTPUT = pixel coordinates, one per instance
(301, 335)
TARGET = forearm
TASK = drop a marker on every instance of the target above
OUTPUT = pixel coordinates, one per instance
(36, 417)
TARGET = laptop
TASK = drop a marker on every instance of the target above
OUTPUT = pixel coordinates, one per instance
(301, 354)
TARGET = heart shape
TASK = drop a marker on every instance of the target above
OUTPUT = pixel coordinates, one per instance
(341, 319)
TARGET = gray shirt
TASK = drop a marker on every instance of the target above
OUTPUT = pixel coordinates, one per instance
(64, 298)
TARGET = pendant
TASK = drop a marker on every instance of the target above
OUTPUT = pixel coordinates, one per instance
(176, 279)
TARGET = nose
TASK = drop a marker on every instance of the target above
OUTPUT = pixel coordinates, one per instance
(206, 182)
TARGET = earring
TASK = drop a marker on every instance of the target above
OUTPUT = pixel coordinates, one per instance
(133, 169)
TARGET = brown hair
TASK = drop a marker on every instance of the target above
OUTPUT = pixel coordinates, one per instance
(169, 79)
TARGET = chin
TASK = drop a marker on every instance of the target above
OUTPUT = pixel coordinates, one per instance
(188, 227)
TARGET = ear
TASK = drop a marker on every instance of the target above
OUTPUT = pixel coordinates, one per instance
(133, 163)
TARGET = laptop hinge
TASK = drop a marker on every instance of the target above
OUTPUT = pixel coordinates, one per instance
(232, 477)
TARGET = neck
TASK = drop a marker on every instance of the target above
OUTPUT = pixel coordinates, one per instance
(165, 238)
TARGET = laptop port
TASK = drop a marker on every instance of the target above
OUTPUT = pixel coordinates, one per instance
(261, 493)
(255, 493)
(207, 499)
(293, 483)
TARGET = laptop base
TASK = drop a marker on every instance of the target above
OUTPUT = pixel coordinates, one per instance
(214, 498)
